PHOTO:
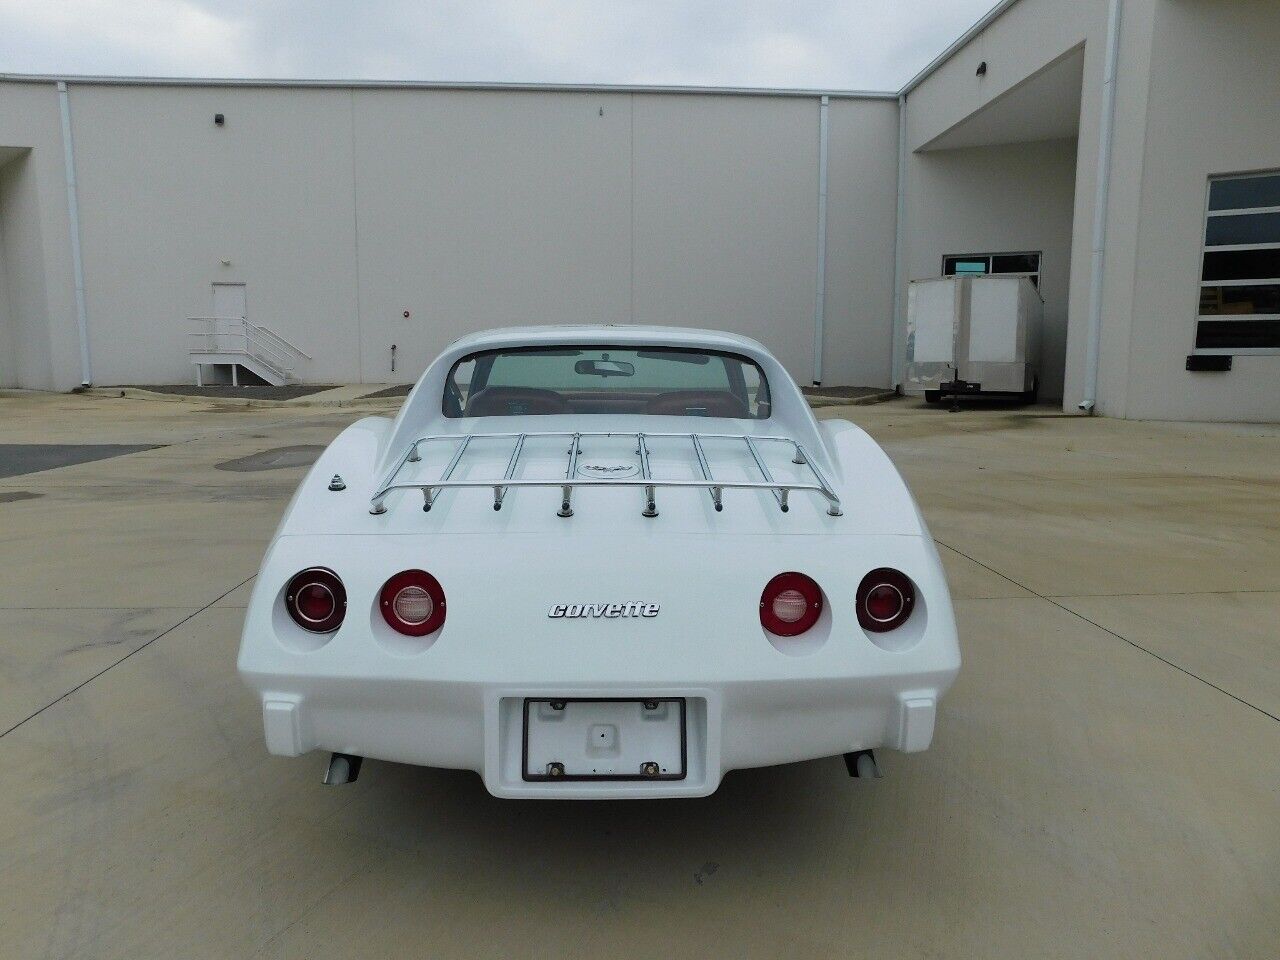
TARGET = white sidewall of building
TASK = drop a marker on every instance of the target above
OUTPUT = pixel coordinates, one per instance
(1213, 108)
(343, 209)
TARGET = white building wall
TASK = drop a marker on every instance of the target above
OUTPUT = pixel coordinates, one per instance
(31, 323)
(1214, 108)
(1133, 85)
(480, 209)
(9, 334)
(862, 186)
(726, 206)
(35, 241)
(1026, 37)
(341, 209)
(166, 196)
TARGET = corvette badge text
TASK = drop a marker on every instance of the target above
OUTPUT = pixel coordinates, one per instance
(610, 611)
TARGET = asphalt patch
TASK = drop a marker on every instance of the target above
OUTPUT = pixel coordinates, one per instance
(15, 495)
(400, 390)
(278, 458)
(19, 458)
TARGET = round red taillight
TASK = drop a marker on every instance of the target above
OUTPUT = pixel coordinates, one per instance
(316, 600)
(412, 603)
(790, 604)
(886, 598)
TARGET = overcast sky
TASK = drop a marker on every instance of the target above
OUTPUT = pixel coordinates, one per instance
(857, 44)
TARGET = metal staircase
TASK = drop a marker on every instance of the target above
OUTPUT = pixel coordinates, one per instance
(236, 343)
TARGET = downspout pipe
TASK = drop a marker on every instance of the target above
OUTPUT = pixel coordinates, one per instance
(820, 280)
(73, 215)
(1101, 199)
(898, 358)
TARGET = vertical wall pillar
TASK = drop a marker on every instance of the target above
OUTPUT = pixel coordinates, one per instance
(1097, 268)
(898, 351)
(73, 215)
(820, 281)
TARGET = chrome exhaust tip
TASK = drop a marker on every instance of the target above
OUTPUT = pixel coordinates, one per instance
(862, 765)
(343, 768)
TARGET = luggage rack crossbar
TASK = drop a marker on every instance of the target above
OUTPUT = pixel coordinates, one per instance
(715, 486)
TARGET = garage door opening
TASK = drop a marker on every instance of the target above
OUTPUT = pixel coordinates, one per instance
(995, 195)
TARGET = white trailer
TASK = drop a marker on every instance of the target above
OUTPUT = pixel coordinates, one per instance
(973, 336)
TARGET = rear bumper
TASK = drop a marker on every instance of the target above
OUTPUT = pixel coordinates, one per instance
(454, 699)
(479, 726)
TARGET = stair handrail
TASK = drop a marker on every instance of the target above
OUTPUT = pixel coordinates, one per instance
(263, 350)
(238, 335)
(233, 336)
(216, 329)
(270, 334)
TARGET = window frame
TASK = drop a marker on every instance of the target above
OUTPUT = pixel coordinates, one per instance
(1036, 276)
(1207, 248)
(763, 380)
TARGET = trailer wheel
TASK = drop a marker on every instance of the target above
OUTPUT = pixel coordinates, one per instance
(1030, 396)
(932, 396)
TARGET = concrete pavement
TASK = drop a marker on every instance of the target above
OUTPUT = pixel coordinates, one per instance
(1105, 781)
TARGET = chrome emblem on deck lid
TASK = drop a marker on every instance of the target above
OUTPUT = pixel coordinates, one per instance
(607, 470)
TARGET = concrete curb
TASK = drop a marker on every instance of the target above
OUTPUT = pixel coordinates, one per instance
(391, 403)
(135, 393)
(821, 400)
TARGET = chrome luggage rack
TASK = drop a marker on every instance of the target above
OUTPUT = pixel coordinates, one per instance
(431, 488)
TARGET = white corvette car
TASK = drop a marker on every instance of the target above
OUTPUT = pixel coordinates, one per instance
(598, 562)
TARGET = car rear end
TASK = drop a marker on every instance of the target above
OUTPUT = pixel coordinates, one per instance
(601, 562)
(588, 666)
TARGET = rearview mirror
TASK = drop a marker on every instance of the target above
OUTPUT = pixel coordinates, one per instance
(604, 368)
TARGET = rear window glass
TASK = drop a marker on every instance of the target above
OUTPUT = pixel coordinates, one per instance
(545, 381)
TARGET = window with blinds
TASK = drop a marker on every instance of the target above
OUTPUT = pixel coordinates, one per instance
(1239, 310)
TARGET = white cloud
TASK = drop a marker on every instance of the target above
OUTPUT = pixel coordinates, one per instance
(134, 36)
(858, 44)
